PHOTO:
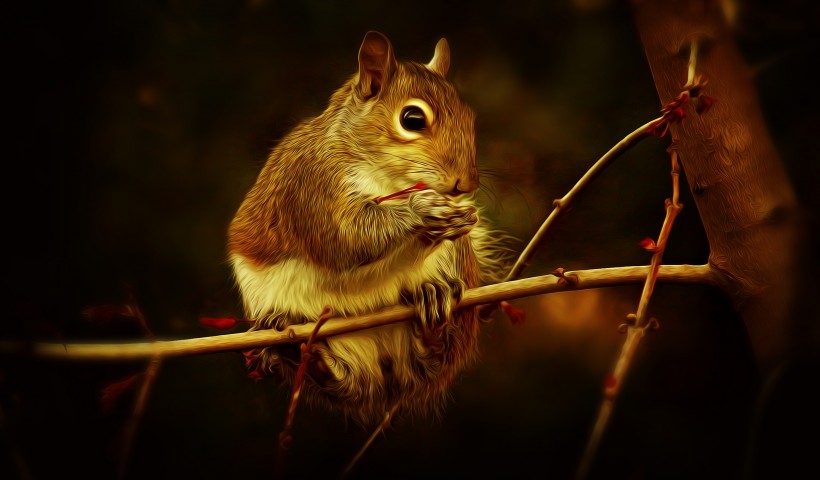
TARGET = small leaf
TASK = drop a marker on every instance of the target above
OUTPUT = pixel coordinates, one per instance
(252, 362)
(251, 356)
(517, 316)
(648, 244)
(220, 323)
(112, 392)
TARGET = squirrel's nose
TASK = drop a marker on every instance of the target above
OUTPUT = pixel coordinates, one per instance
(464, 186)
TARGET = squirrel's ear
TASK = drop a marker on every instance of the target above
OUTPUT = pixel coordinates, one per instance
(441, 58)
(376, 63)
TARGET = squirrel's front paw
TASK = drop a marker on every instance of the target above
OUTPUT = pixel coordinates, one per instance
(434, 302)
(441, 218)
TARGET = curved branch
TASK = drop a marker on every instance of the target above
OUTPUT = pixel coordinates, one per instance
(584, 279)
(563, 203)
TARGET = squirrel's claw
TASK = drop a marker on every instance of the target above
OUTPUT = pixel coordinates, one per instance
(434, 303)
(440, 218)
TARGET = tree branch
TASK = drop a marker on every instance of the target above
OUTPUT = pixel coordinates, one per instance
(562, 204)
(739, 185)
(586, 279)
(130, 432)
(637, 323)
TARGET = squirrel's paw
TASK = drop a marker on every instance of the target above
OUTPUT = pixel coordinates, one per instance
(441, 218)
(434, 302)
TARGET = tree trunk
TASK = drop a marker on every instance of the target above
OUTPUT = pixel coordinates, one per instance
(739, 184)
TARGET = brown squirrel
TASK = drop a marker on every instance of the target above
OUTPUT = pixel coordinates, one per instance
(309, 234)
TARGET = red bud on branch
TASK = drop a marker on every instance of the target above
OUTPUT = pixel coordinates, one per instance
(252, 363)
(648, 244)
(610, 384)
(705, 102)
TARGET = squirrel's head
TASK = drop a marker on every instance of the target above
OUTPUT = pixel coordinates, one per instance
(410, 123)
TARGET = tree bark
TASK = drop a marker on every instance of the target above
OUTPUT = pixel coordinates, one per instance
(738, 181)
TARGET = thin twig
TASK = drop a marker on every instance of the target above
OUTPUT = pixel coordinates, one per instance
(637, 323)
(586, 279)
(130, 431)
(693, 62)
(561, 205)
(636, 326)
(566, 201)
(285, 438)
(135, 311)
(388, 417)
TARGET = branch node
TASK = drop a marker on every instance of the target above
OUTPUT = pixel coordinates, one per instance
(694, 87)
(631, 321)
(610, 386)
(564, 278)
(285, 441)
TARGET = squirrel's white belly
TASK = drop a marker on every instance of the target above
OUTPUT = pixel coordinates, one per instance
(297, 287)
(366, 366)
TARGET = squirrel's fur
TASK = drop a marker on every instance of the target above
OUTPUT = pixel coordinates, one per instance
(309, 234)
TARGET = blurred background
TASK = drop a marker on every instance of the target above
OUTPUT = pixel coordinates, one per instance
(136, 127)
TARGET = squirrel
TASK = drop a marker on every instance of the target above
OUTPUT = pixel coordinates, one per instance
(309, 234)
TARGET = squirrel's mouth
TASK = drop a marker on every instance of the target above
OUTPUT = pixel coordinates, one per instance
(403, 193)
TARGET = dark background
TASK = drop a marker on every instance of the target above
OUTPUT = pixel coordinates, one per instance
(134, 130)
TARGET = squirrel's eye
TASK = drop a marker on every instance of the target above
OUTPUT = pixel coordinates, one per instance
(412, 118)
